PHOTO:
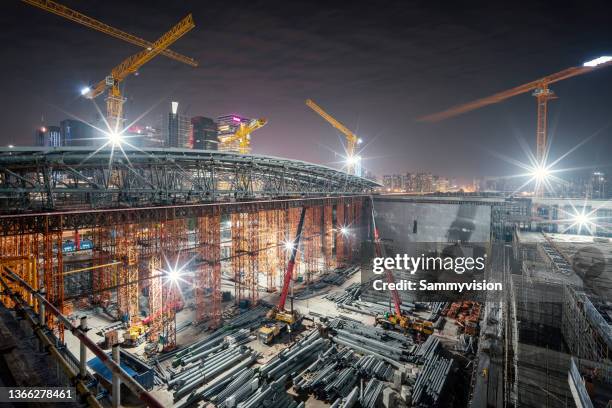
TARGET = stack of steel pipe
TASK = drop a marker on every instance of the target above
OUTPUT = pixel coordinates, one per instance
(237, 337)
(348, 401)
(370, 366)
(211, 368)
(198, 348)
(371, 393)
(341, 384)
(431, 380)
(238, 390)
(427, 349)
(271, 395)
(295, 358)
(219, 383)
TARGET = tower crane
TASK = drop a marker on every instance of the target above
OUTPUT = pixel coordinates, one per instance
(114, 101)
(351, 138)
(243, 135)
(542, 93)
(70, 14)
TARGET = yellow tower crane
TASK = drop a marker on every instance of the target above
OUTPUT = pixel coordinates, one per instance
(351, 138)
(73, 15)
(242, 136)
(114, 101)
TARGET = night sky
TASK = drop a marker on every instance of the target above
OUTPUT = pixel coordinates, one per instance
(376, 66)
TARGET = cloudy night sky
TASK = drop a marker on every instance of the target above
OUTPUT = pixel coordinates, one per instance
(375, 66)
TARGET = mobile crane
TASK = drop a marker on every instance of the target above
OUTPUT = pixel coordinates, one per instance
(278, 314)
(397, 319)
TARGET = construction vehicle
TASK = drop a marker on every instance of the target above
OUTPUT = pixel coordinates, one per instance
(352, 159)
(396, 320)
(243, 136)
(290, 318)
(542, 93)
(269, 332)
(134, 335)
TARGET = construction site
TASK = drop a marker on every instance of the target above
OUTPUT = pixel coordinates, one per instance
(173, 277)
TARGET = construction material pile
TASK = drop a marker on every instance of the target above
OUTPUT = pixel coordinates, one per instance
(434, 375)
(467, 315)
(337, 277)
(351, 300)
(385, 345)
(225, 361)
(336, 372)
(294, 358)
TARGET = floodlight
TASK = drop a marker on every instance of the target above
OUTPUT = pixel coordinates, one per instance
(85, 91)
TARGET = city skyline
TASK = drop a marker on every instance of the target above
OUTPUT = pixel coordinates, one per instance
(391, 67)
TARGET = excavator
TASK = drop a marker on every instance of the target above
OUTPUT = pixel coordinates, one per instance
(280, 317)
(396, 320)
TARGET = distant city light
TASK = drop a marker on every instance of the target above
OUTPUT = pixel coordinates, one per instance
(235, 119)
(43, 129)
(174, 107)
(597, 61)
(85, 91)
(11, 146)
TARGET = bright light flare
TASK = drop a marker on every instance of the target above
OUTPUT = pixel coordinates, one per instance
(115, 138)
(345, 231)
(289, 245)
(85, 90)
(174, 275)
(597, 61)
(352, 160)
(541, 173)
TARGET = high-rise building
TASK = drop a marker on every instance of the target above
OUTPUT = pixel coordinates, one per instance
(48, 136)
(175, 128)
(76, 133)
(227, 125)
(597, 185)
(424, 183)
(204, 133)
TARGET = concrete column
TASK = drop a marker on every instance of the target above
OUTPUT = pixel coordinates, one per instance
(83, 361)
(115, 392)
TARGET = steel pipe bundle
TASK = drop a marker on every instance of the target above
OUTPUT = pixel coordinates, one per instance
(219, 384)
(371, 393)
(294, 358)
(271, 395)
(431, 380)
(204, 374)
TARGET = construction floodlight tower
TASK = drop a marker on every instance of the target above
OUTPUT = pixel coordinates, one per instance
(115, 100)
(540, 90)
